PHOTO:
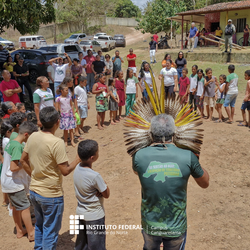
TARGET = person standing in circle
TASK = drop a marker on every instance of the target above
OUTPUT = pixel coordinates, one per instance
(131, 57)
(181, 63)
(170, 78)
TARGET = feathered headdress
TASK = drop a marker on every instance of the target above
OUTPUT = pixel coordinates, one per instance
(138, 136)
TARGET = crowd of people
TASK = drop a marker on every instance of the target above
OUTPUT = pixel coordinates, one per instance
(34, 159)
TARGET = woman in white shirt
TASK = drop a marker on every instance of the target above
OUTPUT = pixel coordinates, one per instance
(170, 79)
(144, 75)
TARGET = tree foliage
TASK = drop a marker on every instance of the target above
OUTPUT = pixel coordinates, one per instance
(82, 11)
(26, 15)
(155, 14)
(126, 8)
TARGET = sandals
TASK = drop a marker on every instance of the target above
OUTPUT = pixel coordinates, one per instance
(242, 125)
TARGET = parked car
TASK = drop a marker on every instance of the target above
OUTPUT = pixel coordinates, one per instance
(71, 49)
(37, 60)
(31, 42)
(91, 44)
(99, 34)
(107, 42)
(119, 40)
(7, 44)
(75, 38)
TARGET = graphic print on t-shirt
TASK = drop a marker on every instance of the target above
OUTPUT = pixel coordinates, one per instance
(162, 170)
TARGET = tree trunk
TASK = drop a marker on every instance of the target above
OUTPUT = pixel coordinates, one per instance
(54, 31)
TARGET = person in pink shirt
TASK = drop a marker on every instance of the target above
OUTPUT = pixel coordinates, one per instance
(90, 74)
(9, 88)
(155, 36)
(184, 86)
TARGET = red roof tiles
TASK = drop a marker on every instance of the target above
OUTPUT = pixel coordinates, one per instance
(219, 7)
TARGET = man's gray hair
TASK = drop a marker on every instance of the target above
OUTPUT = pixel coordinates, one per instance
(192, 23)
(162, 128)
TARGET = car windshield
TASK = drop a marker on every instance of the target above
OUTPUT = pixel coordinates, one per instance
(2, 39)
(40, 38)
(73, 36)
(118, 37)
(49, 48)
(85, 42)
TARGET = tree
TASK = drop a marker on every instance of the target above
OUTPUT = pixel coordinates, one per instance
(156, 13)
(82, 11)
(26, 15)
(126, 8)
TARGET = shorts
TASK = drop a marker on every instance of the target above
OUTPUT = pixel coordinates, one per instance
(210, 101)
(83, 110)
(230, 100)
(19, 200)
(199, 102)
(134, 69)
(220, 101)
(245, 105)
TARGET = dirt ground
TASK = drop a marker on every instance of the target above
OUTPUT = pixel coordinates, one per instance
(218, 217)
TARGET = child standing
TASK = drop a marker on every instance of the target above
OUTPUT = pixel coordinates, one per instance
(200, 91)
(90, 190)
(184, 86)
(121, 88)
(15, 181)
(131, 90)
(209, 93)
(220, 91)
(101, 92)
(67, 119)
(246, 102)
(193, 84)
(82, 100)
(113, 101)
(231, 93)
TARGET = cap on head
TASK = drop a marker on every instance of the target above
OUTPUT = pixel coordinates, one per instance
(229, 20)
(20, 58)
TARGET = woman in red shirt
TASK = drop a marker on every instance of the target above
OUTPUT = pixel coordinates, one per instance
(101, 92)
(7, 108)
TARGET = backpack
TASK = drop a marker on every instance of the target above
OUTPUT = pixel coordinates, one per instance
(229, 30)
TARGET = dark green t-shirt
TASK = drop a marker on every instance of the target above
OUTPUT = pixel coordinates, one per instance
(164, 173)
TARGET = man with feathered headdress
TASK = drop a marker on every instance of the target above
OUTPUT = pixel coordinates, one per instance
(164, 141)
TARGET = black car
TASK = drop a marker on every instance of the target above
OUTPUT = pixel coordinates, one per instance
(119, 40)
(37, 60)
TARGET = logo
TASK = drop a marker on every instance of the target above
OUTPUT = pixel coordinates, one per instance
(162, 170)
(74, 224)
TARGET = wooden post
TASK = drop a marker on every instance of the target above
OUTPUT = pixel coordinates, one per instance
(182, 23)
(226, 17)
(171, 33)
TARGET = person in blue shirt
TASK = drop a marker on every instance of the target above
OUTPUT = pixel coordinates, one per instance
(193, 32)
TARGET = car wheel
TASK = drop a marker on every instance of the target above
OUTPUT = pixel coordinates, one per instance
(124, 45)
(108, 49)
(33, 75)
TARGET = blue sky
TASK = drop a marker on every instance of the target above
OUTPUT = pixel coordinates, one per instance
(139, 3)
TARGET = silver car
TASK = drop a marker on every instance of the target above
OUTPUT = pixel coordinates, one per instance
(7, 44)
(75, 38)
(90, 44)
